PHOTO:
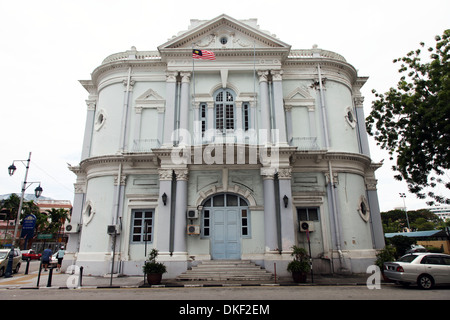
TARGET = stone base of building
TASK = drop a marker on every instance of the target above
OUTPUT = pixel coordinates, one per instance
(344, 262)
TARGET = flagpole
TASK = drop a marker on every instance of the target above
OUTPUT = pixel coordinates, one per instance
(193, 72)
(254, 83)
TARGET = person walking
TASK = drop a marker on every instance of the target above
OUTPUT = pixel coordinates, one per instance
(46, 255)
(60, 256)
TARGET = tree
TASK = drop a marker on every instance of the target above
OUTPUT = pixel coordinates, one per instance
(12, 205)
(56, 219)
(419, 220)
(412, 121)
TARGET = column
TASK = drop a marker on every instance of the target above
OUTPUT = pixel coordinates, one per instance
(239, 126)
(280, 120)
(74, 238)
(270, 219)
(375, 216)
(286, 214)
(184, 109)
(265, 108)
(180, 212)
(163, 213)
(169, 118)
(288, 111)
(88, 129)
(361, 122)
(209, 137)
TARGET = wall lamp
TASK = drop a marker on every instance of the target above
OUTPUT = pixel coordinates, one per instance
(164, 198)
(286, 201)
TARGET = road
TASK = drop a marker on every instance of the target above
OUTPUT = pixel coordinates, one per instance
(387, 292)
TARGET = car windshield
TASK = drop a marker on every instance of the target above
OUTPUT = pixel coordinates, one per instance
(3, 255)
(407, 258)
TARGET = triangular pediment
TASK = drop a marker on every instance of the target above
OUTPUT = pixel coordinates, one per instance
(149, 97)
(299, 93)
(224, 33)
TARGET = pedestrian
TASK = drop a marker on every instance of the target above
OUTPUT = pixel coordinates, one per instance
(60, 256)
(46, 255)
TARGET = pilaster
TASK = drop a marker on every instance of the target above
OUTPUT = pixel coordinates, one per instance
(169, 118)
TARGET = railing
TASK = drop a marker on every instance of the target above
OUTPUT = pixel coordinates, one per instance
(305, 143)
(145, 145)
(302, 143)
(155, 55)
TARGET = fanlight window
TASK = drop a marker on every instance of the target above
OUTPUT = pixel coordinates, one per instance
(224, 109)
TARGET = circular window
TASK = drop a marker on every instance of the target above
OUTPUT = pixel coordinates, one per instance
(88, 213)
(100, 119)
(363, 209)
(223, 40)
(350, 117)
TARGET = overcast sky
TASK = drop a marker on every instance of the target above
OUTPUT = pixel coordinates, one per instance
(47, 46)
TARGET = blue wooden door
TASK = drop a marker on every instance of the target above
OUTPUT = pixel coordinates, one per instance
(225, 237)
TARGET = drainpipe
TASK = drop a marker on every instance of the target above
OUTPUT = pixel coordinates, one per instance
(125, 112)
(330, 171)
(172, 213)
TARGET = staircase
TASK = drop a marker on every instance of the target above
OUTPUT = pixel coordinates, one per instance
(232, 270)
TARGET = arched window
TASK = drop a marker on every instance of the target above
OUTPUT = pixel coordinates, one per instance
(224, 110)
(227, 201)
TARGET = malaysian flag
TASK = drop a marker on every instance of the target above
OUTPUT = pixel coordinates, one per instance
(203, 54)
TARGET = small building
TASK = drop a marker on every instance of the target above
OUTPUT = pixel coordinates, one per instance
(224, 143)
(429, 238)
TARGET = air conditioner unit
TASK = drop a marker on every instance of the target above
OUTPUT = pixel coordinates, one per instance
(193, 229)
(113, 229)
(73, 228)
(192, 214)
(306, 225)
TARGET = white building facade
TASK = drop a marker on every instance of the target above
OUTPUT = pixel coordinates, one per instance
(224, 159)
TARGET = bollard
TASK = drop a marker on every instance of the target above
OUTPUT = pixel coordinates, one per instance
(28, 265)
(39, 274)
(50, 274)
(80, 279)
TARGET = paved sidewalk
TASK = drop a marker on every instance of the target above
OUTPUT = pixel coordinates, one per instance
(64, 281)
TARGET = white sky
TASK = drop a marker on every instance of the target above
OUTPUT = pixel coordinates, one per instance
(46, 46)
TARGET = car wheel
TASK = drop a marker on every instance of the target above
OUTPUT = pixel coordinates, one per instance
(16, 270)
(425, 281)
(2, 272)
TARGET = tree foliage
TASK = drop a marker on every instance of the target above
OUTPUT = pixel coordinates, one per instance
(412, 121)
(419, 220)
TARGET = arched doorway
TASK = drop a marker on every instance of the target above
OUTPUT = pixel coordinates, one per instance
(225, 220)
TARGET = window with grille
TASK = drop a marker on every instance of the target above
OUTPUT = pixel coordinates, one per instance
(246, 116)
(203, 117)
(224, 109)
(142, 225)
(308, 214)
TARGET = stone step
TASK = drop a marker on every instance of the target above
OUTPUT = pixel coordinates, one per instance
(226, 270)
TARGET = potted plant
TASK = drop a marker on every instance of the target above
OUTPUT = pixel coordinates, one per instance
(299, 267)
(154, 270)
(387, 254)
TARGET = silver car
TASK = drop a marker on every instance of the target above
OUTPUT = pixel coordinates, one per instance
(4, 257)
(423, 268)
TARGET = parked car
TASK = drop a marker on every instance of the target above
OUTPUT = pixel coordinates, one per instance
(416, 248)
(53, 260)
(30, 254)
(423, 268)
(4, 257)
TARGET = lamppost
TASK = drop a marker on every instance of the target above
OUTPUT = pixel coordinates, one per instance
(403, 196)
(37, 192)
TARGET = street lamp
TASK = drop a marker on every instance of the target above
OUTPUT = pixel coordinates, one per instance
(37, 192)
(403, 196)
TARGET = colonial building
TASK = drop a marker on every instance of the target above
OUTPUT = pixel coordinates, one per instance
(231, 157)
